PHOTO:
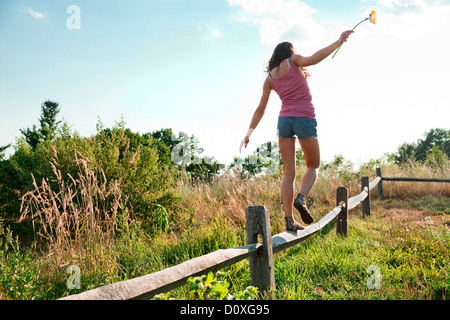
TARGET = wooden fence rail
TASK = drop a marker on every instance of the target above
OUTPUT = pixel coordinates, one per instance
(409, 179)
(259, 254)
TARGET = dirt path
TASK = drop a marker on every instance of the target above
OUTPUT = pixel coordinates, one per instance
(416, 213)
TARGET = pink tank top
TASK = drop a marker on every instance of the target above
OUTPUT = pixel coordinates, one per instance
(294, 93)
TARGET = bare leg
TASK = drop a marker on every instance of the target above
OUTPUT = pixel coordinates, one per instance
(311, 150)
(287, 150)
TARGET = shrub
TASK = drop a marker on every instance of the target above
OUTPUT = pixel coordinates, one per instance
(77, 214)
(141, 179)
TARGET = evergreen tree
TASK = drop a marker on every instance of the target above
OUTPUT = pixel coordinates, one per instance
(2, 150)
(49, 111)
(47, 120)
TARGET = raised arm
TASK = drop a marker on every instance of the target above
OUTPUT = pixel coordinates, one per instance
(321, 54)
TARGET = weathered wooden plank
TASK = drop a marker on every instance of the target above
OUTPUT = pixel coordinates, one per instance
(145, 287)
(374, 183)
(356, 200)
(353, 202)
(287, 239)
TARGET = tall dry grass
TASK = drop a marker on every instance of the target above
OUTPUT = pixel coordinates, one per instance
(402, 189)
(225, 196)
(74, 219)
(228, 195)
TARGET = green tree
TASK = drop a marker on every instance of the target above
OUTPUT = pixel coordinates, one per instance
(137, 140)
(418, 151)
(436, 158)
(164, 142)
(187, 156)
(47, 120)
(406, 152)
(434, 138)
(265, 160)
(167, 137)
(34, 136)
(144, 183)
(2, 151)
(340, 168)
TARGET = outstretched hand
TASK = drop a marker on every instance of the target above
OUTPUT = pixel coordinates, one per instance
(344, 36)
(245, 141)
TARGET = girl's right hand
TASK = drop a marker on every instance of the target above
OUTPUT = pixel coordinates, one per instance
(245, 141)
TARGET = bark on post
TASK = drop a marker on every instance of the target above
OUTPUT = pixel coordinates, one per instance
(366, 201)
(380, 185)
(261, 264)
(341, 219)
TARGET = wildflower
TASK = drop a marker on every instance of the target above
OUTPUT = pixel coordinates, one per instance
(372, 17)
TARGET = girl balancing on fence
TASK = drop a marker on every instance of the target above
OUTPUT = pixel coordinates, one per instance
(288, 78)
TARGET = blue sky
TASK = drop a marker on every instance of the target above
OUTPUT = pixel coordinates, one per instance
(198, 67)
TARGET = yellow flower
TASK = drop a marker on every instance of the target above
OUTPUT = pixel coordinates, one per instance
(373, 17)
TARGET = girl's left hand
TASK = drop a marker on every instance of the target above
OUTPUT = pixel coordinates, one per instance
(245, 141)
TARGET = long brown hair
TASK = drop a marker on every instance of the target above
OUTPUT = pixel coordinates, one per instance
(282, 51)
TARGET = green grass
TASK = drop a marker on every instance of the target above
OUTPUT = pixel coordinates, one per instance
(412, 264)
(407, 239)
(380, 259)
(410, 250)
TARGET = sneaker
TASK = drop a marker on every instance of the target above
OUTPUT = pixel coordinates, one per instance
(292, 225)
(300, 205)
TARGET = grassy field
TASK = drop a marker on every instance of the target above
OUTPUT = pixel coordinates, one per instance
(400, 252)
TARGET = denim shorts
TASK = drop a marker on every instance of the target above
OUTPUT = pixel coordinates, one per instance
(288, 127)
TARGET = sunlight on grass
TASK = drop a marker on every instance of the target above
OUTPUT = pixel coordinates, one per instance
(403, 247)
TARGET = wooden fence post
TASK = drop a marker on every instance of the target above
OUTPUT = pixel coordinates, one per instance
(261, 264)
(341, 220)
(366, 201)
(380, 186)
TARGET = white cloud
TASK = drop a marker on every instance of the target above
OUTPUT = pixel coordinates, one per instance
(402, 4)
(411, 19)
(243, 18)
(282, 19)
(387, 84)
(34, 14)
(209, 31)
(216, 32)
(388, 81)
